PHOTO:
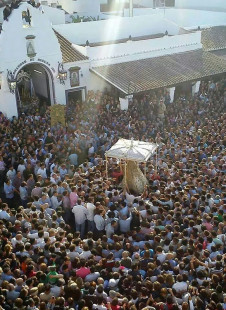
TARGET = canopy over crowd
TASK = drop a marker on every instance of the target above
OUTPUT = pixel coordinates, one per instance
(71, 238)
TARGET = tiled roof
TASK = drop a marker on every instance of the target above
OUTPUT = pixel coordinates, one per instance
(141, 75)
(69, 53)
(214, 38)
(220, 53)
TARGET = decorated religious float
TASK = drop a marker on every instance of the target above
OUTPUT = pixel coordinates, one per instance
(129, 154)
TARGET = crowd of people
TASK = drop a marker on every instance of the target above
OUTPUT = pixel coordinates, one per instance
(72, 238)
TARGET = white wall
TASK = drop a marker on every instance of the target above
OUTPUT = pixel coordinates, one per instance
(145, 3)
(83, 74)
(89, 6)
(145, 11)
(67, 5)
(55, 16)
(1, 15)
(167, 44)
(115, 29)
(13, 52)
(96, 83)
(81, 7)
(187, 18)
(86, 79)
(218, 5)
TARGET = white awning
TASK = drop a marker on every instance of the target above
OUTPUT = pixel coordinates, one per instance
(132, 150)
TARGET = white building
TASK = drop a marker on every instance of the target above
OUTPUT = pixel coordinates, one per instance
(216, 5)
(189, 19)
(57, 62)
(83, 8)
(35, 49)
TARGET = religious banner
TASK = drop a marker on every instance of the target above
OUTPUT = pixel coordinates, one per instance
(57, 114)
(30, 46)
(74, 76)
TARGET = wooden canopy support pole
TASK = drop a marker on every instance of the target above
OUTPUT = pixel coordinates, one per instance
(127, 189)
(156, 160)
(106, 167)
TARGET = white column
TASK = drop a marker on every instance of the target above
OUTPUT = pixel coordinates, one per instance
(195, 88)
(8, 105)
(124, 103)
(130, 8)
(83, 95)
(171, 93)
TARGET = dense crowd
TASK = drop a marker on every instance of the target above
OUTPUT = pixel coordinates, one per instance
(72, 238)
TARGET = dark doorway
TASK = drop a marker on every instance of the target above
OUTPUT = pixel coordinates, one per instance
(34, 89)
(184, 90)
(75, 96)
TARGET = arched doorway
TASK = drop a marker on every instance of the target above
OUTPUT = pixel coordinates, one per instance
(35, 88)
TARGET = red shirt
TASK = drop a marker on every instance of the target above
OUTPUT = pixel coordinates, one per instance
(117, 307)
(32, 274)
(82, 272)
(117, 175)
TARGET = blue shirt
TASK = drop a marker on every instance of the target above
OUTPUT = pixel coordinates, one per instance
(9, 191)
(150, 251)
(23, 193)
(6, 277)
(4, 215)
(73, 159)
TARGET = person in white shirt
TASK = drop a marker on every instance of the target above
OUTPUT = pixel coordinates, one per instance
(54, 178)
(80, 213)
(124, 223)
(18, 239)
(38, 235)
(42, 171)
(99, 223)
(53, 168)
(11, 174)
(130, 198)
(180, 286)
(90, 215)
(99, 306)
(86, 253)
(91, 150)
(21, 167)
(73, 253)
(160, 255)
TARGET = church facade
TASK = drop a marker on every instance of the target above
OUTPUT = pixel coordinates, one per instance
(37, 63)
(45, 62)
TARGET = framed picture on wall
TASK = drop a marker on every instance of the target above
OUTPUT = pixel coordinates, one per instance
(74, 76)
